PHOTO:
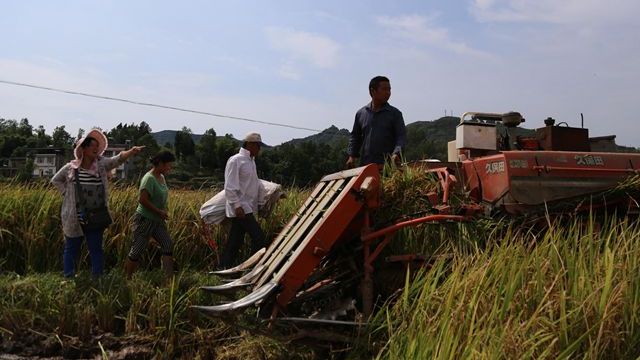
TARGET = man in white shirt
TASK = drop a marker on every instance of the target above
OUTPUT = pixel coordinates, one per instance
(242, 190)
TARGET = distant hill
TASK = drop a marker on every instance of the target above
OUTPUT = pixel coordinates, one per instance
(443, 129)
(424, 138)
(331, 136)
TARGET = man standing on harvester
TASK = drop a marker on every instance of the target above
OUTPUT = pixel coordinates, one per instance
(378, 128)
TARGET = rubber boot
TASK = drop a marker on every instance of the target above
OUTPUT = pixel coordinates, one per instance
(130, 267)
(167, 266)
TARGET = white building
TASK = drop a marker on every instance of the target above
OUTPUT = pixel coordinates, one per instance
(47, 161)
(120, 171)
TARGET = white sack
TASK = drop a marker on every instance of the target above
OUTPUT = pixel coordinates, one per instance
(213, 211)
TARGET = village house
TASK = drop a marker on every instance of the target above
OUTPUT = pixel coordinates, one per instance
(47, 161)
(9, 167)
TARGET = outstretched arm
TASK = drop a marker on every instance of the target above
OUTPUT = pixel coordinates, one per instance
(133, 151)
(112, 163)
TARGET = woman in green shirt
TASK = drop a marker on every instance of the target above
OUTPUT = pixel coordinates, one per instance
(151, 215)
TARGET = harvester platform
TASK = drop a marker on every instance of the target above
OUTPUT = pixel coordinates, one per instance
(332, 212)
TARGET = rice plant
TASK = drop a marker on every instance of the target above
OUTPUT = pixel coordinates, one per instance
(565, 293)
(493, 288)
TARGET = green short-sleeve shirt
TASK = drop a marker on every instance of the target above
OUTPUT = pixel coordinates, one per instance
(158, 194)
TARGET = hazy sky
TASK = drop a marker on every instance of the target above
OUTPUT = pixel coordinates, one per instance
(308, 63)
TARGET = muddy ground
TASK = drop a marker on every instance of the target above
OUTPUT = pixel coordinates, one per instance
(32, 345)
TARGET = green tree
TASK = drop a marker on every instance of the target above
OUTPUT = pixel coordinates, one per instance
(140, 163)
(184, 145)
(40, 138)
(139, 135)
(26, 172)
(25, 129)
(61, 138)
(206, 150)
(301, 163)
(225, 148)
(10, 143)
(14, 136)
(123, 132)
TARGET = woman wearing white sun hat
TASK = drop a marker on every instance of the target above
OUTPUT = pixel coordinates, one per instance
(83, 184)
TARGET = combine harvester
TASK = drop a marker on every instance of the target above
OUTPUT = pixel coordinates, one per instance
(319, 269)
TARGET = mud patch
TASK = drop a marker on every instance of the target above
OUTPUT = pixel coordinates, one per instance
(33, 345)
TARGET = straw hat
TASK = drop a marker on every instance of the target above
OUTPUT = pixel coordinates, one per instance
(96, 134)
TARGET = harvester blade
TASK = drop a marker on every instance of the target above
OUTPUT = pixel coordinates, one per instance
(255, 297)
(242, 267)
(245, 281)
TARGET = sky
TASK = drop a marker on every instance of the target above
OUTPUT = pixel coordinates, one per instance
(308, 63)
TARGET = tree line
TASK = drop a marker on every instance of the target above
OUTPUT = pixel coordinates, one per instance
(302, 163)
(297, 162)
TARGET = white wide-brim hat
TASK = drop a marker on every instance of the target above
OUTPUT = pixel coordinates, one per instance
(253, 137)
(96, 134)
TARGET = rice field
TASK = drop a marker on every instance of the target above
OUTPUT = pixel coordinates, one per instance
(42, 314)
(495, 288)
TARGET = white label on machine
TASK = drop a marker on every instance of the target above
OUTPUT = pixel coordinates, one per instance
(495, 167)
(589, 160)
(518, 164)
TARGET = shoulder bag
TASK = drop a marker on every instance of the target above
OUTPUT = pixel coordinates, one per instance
(91, 219)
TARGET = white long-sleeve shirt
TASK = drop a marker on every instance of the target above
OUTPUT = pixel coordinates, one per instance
(242, 187)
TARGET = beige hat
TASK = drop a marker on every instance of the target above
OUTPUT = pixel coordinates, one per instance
(100, 138)
(253, 137)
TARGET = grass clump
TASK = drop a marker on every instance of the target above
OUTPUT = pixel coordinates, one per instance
(565, 293)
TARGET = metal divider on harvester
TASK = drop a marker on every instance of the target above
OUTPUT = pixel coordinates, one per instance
(275, 275)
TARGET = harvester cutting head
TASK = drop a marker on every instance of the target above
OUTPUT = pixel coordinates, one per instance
(334, 213)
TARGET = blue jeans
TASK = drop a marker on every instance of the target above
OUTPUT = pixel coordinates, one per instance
(72, 246)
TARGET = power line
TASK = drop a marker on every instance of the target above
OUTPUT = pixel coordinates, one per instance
(155, 105)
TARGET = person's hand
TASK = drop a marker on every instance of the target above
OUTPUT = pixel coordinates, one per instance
(136, 149)
(133, 151)
(164, 215)
(240, 213)
(350, 162)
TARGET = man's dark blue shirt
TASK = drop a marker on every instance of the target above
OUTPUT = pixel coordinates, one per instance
(379, 134)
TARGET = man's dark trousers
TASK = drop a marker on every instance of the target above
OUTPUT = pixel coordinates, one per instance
(236, 238)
